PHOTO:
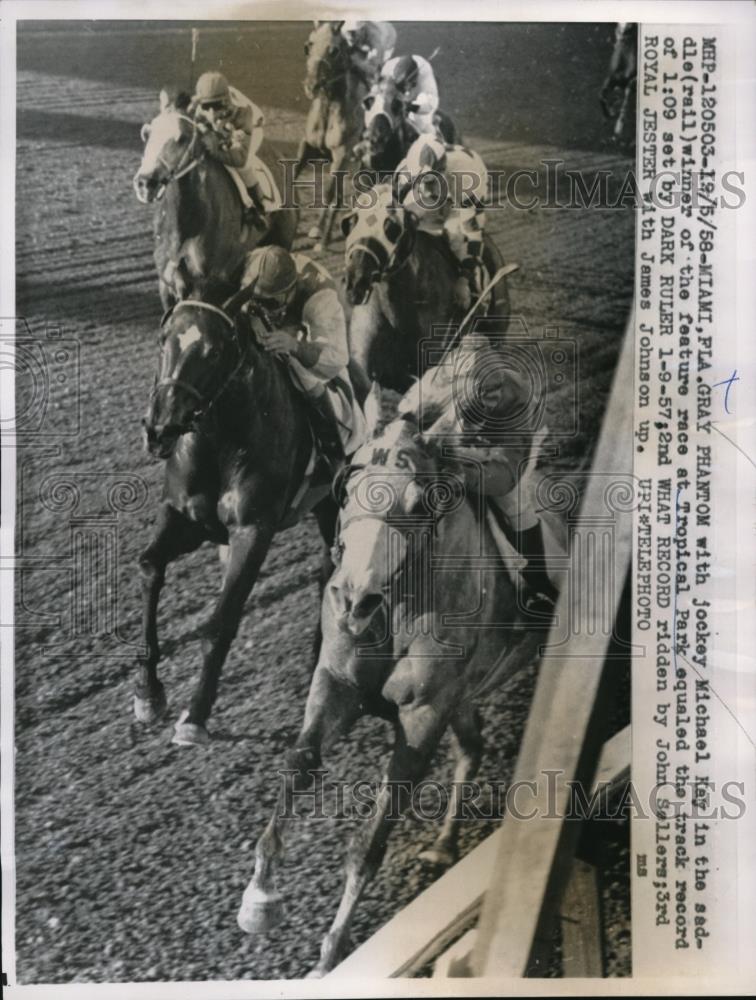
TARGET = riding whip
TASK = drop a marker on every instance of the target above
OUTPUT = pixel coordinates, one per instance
(501, 273)
(195, 43)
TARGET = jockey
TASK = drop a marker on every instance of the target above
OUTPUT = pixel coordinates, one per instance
(481, 407)
(413, 77)
(371, 43)
(444, 187)
(234, 132)
(306, 324)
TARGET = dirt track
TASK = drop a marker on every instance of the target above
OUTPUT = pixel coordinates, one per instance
(132, 854)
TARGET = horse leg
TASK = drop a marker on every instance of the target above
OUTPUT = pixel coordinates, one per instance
(468, 748)
(305, 154)
(418, 732)
(174, 535)
(332, 707)
(326, 514)
(332, 200)
(248, 547)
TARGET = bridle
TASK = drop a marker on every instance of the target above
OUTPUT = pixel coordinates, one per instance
(383, 268)
(339, 492)
(186, 163)
(206, 406)
(324, 62)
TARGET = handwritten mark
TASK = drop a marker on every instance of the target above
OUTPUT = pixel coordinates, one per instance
(728, 382)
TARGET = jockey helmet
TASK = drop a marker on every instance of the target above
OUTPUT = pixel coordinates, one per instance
(426, 154)
(272, 271)
(405, 72)
(212, 88)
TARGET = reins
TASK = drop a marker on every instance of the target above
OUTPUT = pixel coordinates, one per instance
(207, 406)
(182, 168)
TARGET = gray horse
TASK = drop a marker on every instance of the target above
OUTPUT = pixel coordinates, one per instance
(409, 636)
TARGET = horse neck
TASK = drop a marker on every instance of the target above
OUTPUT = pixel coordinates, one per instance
(261, 407)
(197, 198)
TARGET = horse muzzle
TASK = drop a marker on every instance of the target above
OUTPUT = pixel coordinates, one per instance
(354, 616)
(160, 440)
(148, 188)
(358, 289)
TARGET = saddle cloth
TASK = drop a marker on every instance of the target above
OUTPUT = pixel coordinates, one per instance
(263, 175)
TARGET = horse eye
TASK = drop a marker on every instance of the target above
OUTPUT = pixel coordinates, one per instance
(393, 230)
(145, 132)
(307, 47)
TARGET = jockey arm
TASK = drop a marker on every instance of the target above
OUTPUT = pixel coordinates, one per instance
(325, 351)
(238, 134)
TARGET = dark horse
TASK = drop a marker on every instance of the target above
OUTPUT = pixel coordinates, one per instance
(334, 121)
(622, 76)
(201, 235)
(401, 282)
(218, 403)
(388, 133)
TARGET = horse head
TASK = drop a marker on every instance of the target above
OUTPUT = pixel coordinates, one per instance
(327, 57)
(379, 235)
(200, 355)
(171, 149)
(384, 112)
(393, 495)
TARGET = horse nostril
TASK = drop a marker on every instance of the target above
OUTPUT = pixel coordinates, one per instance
(341, 603)
(367, 605)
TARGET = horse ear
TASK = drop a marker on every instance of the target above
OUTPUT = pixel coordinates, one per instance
(165, 100)
(145, 131)
(183, 100)
(411, 221)
(348, 223)
(373, 410)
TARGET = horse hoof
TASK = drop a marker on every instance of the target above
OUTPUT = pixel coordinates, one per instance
(149, 710)
(260, 912)
(314, 233)
(189, 734)
(441, 857)
(316, 973)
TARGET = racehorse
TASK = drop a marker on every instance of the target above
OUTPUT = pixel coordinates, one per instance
(400, 282)
(218, 402)
(388, 133)
(201, 235)
(405, 640)
(334, 121)
(622, 76)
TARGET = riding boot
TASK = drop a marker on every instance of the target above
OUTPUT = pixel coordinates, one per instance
(326, 431)
(539, 594)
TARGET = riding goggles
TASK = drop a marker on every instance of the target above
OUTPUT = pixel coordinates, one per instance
(216, 105)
